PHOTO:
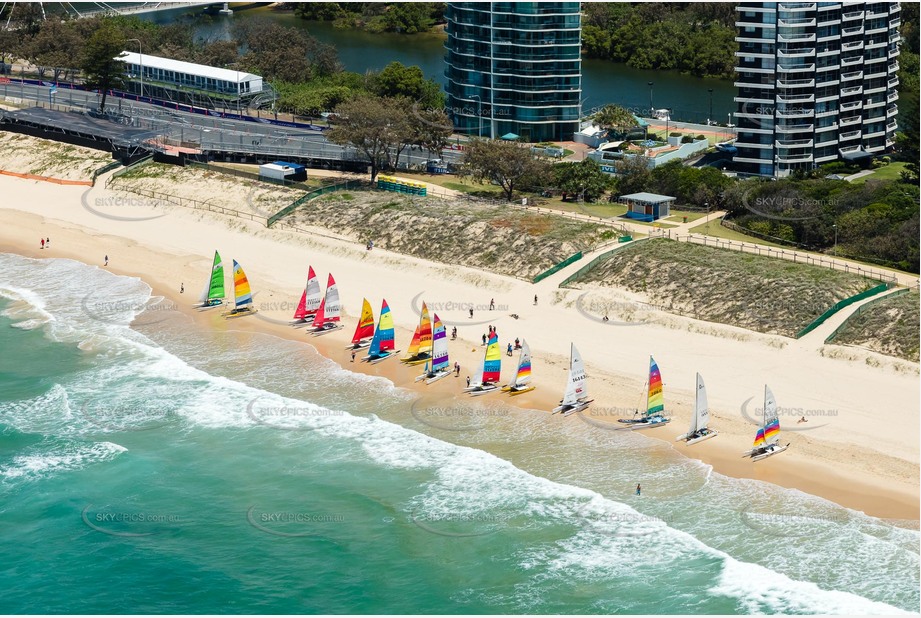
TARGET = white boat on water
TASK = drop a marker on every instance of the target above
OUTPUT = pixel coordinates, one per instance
(770, 430)
(575, 399)
(699, 431)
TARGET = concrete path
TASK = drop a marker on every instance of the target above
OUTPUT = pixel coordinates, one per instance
(816, 338)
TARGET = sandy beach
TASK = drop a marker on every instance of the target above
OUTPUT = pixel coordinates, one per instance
(859, 449)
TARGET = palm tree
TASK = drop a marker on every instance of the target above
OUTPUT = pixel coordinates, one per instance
(615, 117)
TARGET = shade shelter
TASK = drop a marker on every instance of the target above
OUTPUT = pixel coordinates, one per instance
(646, 206)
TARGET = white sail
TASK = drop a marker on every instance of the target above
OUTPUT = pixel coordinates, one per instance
(701, 415)
(576, 388)
(313, 294)
(524, 362)
(331, 309)
(770, 406)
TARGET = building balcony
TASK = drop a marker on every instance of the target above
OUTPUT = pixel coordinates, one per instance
(807, 37)
(877, 13)
(741, 68)
(765, 85)
(795, 113)
(850, 120)
(796, 98)
(795, 68)
(754, 54)
(796, 53)
(876, 71)
(757, 113)
(892, 98)
(895, 37)
(852, 30)
(797, 158)
(892, 111)
(893, 53)
(796, 6)
(832, 127)
(892, 127)
(851, 90)
(890, 143)
(852, 46)
(875, 89)
(893, 68)
(847, 107)
(793, 143)
(853, 15)
(794, 128)
(851, 76)
(870, 103)
(875, 43)
(877, 133)
(895, 23)
(851, 61)
(843, 137)
(799, 22)
(795, 83)
(875, 30)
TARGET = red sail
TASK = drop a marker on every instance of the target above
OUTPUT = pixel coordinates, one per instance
(318, 318)
(301, 312)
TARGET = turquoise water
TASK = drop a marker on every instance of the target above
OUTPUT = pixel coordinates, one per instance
(160, 468)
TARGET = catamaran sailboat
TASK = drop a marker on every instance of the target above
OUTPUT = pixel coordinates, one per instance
(382, 343)
(242, 296)
(655, 403)
(521, 383)
(575, 399)
(699, 419)
(763, 446)
(438, 368)
(213, 294)
(488, 374)
(365, 328)
(420, 347)
(310, 300)
(327, 317)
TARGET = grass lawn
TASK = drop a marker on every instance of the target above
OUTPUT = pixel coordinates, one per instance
(713, 228)
(678, 215)
(887, 172)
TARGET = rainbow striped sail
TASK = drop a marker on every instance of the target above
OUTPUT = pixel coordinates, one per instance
(492, 364)
(365, 326)
(241, 292)
(524, 365)
(439, 347)
(383, 336)
(413, 350)
(425, 331)
(655, 402)
(759, 437)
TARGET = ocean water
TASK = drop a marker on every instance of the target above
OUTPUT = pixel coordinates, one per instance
(160, 468)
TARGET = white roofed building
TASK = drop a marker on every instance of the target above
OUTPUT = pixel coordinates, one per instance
(187, 82)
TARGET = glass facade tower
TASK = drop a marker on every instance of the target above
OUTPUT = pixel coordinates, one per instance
(514, 67)
(817, 83)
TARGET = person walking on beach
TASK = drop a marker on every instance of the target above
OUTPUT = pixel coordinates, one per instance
(535, 300)
(508, 352)
(353, 356)
(492, 304)
(48, 241)
(468, 381)
(637, 489)
(456, 369)
(471, 313)
(454, 333)
(107, 260)
(43, 243)
(181, 288)
(484, 339)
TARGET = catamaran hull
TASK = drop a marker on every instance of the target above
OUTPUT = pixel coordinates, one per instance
(374, 361)
(205, 307)
(764, 454)
(359, 345)
(482, 390)
(239, 313)
(641, 425)
(325, 330)
(432, 377)
(520, 390)
(577, 407)
(416, 360)
(711, 434)
(307, 321)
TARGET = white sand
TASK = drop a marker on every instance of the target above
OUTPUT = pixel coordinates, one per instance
(870, 433)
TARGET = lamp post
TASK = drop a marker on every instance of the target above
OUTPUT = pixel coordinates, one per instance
(835, 250)
(710, 115)
(141, 62)
(707, 220)
(650, 98)
(479, 115)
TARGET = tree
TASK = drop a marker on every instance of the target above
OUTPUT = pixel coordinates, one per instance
(369, 124)
(398, 80)
(432, 129)
(100, 68)
(584, 178)
(56, 46)
(633, 175)
(507, 164)
(615, 117)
